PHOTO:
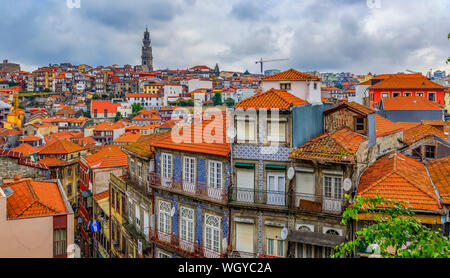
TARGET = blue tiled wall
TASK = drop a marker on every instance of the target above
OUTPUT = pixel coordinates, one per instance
(198, 224)
(201, 170)
(227, 175)
(158, 162)
(177, 168)
(175, 216)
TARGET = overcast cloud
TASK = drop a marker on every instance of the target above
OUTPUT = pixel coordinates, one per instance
(323, 35)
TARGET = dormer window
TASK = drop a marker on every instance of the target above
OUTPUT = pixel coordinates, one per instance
(395, 94)
(285, 86)
(360, 125)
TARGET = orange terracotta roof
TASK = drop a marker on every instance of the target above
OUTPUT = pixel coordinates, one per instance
(384, 127)
(101, 196)
(290, 74)
(128, 137)
(30, 139)
(212, 130)
(399, 178)
(34, 198)
(340, 146)
(60, 147)
(25, 149)
(406, 81)
(353, 106)
(109, 156)
(153, 117)
(108, 126)
(407, 125)
(52, 162)
(434, 122)
(409, 103)
(420, 131)
(273, 98)
(101, 105)
(144, 148)
(440, 174)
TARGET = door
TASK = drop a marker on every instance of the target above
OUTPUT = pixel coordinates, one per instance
(276, 189)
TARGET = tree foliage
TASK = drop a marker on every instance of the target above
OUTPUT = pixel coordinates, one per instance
(230, 102)
(395, 230)
(95, 96)
(217, 99)
(136, 107)
(118, 117)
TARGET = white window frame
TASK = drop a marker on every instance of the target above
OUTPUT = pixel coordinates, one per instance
(383, 95)
(215, 175)
(245, 122)
(163, 255)
(433, 94)
(164, 218)
(333, 188)
(189, 169)
(187, 228)
(276, 123)
(166, 165)
(138, 215)
(212, 233)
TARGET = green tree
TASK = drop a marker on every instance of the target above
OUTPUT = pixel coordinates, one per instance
(394, 229)
(87, 114)
(12, 83)
(217, 99)
(230, 102)
(118, 117)
(136, 107)
(95, 96)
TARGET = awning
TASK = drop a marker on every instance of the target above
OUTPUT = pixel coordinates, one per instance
(313, 238)
(244, 165)
(277, 167)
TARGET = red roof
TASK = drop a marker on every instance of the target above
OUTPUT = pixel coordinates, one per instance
(60, 147)
(210, 139)
(290, 74)
(340, 146)
(34, 198)
(25, 149)
(406, 81)
(440, 172)
(109, 156)
(409, 103)
(397, 177)
(101, 105)
(384, 127)
(271, 99)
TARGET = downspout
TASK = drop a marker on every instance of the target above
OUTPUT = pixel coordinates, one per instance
(231, 184)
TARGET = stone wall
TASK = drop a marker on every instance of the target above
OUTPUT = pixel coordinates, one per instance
(9, 167)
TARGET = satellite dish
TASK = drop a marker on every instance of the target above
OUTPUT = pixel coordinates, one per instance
(172, 212)
(284, 233)
(291, 173)
(231, 132)
(347, 184)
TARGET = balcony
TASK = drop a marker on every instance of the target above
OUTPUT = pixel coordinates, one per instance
(317, 203)
(189, 188)
(256, 196)
(182, 246)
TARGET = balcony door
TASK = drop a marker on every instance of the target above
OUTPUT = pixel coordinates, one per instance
(332, 199)
(245, 185)
(304, 187)
(276, 189)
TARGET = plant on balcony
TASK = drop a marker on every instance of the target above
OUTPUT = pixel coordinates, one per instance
(395, 230)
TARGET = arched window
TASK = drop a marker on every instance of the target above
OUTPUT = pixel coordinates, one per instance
(332, 232)
(304, 228)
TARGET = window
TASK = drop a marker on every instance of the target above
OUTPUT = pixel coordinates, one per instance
(95, 113)
(165, 223)
(69, 189)
(419, 94)
(430, 151)
(163, 255)
(384, 95)
(105, 113)
(138, 216)
(130, 211)
(360, 126)
(333, 187)
(276, 189)
(275, 247)
(396, 94)
(187, 224)
(315, 86)
(212, 232)
(332, 232)
(245, 129)
(166, 169)
(285, 86)
(276, 131)
(69, 171)
(59, 242)
(407, 94)
(432, 96)
(215, 174)
(188, 173)
(140, 171)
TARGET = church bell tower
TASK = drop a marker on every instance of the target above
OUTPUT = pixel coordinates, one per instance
(147, 57)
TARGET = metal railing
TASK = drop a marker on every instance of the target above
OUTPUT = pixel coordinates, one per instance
(188, 187)
(181, 245)
(317, 203)
(257, 196)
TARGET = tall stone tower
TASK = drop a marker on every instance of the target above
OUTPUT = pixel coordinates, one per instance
(147, 57)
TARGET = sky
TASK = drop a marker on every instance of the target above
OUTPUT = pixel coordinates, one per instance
(359, 36)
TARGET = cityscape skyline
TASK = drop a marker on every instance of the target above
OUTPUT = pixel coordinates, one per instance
(354, 36)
